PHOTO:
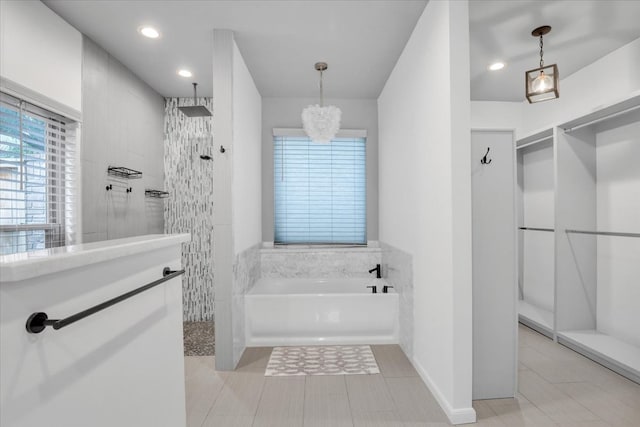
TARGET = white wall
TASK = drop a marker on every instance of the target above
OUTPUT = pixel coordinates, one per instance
(122, 126)
(490, 115)
(538, 193)
(246, 187)
(285, 113)
(424, 195)
(618, 207)
(41, 57)
(236, 188)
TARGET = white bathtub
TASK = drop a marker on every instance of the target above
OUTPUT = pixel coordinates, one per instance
(320, 311)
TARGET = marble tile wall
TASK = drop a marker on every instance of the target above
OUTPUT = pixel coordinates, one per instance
(397, 268)
(189, 208)
(318, 262)
(246, 272)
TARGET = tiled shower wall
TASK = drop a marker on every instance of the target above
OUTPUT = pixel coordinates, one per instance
(189, 207)
(397, 267)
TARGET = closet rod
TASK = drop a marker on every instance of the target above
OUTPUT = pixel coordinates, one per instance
(609, 116)
(534, 142)
(536, 229)
(604, 233)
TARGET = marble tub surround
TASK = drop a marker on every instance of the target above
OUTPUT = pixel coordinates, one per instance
(189, 207)
(318, 262)
(397, 269)
(246, 272)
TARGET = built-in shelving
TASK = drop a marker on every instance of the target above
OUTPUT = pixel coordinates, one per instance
(123, 172)
(603, 233)
(536, 186)
(607, 112)
(156, 194)
(596, 271)
(607, 350)
(544, 135)
(536, 318)
(549, 230)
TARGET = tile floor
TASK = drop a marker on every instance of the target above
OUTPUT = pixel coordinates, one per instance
(557, 387)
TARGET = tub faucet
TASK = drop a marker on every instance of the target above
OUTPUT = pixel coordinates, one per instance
(377, 270)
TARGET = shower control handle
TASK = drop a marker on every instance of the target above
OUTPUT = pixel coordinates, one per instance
(374, 289)
(385, 289)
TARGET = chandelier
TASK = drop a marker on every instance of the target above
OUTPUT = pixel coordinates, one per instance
(321, 123)
(542, 83)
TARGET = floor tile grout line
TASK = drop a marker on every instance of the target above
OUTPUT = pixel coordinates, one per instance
(536, 373)
(216, 398)
(346, 387)
(264, 381)
(304, 397)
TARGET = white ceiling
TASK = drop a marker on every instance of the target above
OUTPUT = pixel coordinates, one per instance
(280, 41)
(582, 31)
(361, 40)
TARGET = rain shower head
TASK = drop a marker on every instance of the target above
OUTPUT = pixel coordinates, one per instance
(195, 110)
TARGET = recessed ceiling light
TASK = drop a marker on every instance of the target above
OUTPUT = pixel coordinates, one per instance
(150, 32)
(496, 66)
(185, 73)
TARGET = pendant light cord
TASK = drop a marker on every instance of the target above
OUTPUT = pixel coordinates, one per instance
(321, 92)
(541, 52)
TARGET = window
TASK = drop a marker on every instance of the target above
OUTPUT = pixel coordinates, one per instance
(320, 189)
(36, 177)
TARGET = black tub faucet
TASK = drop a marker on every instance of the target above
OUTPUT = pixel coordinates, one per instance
(377, 270)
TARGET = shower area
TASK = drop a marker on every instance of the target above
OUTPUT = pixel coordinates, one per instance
(188, 164)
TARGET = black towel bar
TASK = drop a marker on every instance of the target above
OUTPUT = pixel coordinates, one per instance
(37, 322)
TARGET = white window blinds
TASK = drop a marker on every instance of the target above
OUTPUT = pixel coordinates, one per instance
(37, 177)
(320, 190)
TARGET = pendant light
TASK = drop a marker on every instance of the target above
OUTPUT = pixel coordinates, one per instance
(542, 83)
(321, 123)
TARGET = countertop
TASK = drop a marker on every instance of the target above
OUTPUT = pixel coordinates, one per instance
(27, 265)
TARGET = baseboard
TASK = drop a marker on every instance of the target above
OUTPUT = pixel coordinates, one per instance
(456, 416)
(253, 341)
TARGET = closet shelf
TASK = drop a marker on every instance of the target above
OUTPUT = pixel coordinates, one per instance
(603, 233)
(535, 138)
(536, 229)
(610, 111)
(122, 172)
(535, 317)
(614, 353)
(156, 194)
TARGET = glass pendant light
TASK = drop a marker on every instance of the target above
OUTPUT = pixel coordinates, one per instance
(321, 123)
(542, 83)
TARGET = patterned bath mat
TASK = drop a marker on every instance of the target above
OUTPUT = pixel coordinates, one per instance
(322, 360)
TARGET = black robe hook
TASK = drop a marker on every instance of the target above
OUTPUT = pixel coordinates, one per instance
(484, 159)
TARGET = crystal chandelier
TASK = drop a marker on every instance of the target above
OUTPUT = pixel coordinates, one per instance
(321, 123)
(542, 82)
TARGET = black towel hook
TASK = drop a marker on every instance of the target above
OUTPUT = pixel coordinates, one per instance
(484, 159)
